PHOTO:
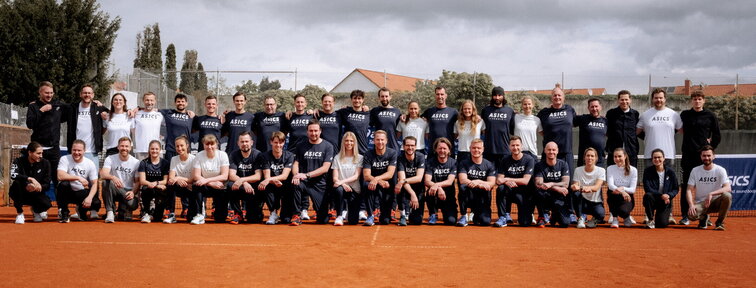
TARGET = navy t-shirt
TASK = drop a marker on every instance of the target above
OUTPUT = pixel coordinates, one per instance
(410, 166)
(440, 124)
(509, 167)
(440, 171)
(498, 122)
(386, 119)
(330, 128)
(154, 172)
(313, 156)
(245, 166)
(297, 128)
(592, 134)
(476, 171)
(358, 123)
(235, 124)
(207, 125)
(276, 166)
(176, 124)
(554, 173)
(379, 164)
(557, 126)
(264, 126)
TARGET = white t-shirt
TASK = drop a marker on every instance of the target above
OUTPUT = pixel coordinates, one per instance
(348, 169)
(416, 128)
(182, 168)
(146, 128)
(84, 128)
(124, 170)
(615, 178)
(527, 127)
(210, 167)
(660, 127)
(118, 126)
(588, 179)
(86, 168)
(465, 137)
(706, 181)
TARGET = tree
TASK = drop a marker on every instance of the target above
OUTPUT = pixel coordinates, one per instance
(313, 93)
(170, 66)
(266, 84)
(149, 51)
(65, 42)
(200, 80)
(463, 86)
(187, 84)
(248, 88)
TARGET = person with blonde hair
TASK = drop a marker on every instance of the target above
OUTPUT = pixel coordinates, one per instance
(347, 169)
(468, 127)
(276, 177)
(153, 180)
(210, 172)
(587, 182)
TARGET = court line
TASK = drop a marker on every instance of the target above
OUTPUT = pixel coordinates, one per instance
(375, 235)
(182, 244)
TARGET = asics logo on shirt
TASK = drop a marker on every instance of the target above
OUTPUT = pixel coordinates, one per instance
(410, 171)
(441, 171)
(356, 116)
(380, 164)
(149, 116)
(497, 116)
(276, 168)
(707, 179)
(270, 120)
(210, 124)
(179, 116)
(300, 122)
(556, 174)
(328, 120)
(313, 155)
(476, 173)
(516, 169)
(78, 171)
(596, 124)
(84, 113)
(246, 166)
(440, 116)
(559, 114)
(125, 170)
(660, 119)
(387, 114)
(238, 122)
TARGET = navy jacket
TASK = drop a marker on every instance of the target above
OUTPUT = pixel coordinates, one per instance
(651, 182)
(73, 118)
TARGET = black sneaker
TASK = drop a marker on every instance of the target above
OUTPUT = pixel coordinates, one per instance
(403, 221)
(65, 219)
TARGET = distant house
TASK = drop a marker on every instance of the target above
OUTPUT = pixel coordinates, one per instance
(567, 92)
(711, 90)
(371, 81)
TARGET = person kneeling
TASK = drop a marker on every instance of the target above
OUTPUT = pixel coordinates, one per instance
(711, 187)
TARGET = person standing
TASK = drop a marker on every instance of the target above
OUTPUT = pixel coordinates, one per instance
(441, 120)
(468, 127)
(43, 117)
(440, 173)
(356, 121)
(557, 122)
(410, 167)
(592, 132)
(31, 178)
(378, 169)
(476, 178)
(527, 126)
(237, 121)
(120, 174)
(413, 125)
(660, 186)
(498, 122)
(276, 177)
(296, 122)
(267, 122)
(709, 191)
(117, 125)
(659, 125)
(78, 183)
(313, 160)
(210, 123)
(385, 117)
(700, 128)
(178, 122)
(515, 186)
(153, 179)
(621, 123)
(330, 122)
(146, 126)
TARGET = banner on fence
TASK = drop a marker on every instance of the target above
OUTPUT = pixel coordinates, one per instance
(741, 169)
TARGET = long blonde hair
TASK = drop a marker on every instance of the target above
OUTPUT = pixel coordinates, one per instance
(461, 119)
(355, 151)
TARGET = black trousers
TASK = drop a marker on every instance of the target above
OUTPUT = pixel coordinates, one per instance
(479, 202)
(656, 210)
(380, 198)
(38, 201)
(618, 206)
(522, 196)
(197, 199)
(66, 195)
(161, 198)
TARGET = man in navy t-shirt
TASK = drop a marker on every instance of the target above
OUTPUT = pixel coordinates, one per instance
(592, 132)
(557, 121)
(330, 122)
(313, 160)
(410, 167)
(514, 175)
(276, 167)
(552, 177)
(498, 118)
(385, 117)
(441, 120)
(210, 123)
(243, 175)
(378, 169)
(477, 177)
(296, 123)
(440, 172)
(237, 121)
(266, 122)
(177, 122)
(357, 121)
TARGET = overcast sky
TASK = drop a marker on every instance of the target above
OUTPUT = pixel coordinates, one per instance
(522, 44)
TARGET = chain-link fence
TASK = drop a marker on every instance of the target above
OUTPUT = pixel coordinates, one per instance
(12, 115)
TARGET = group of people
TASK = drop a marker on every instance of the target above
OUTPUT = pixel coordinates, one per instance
(441, 159)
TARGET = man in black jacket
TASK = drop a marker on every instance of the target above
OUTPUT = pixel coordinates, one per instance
(621, 124)
(44, 116)
(31, 178)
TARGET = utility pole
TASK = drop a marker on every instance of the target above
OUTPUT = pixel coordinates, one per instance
(737, 101)
(475, 80)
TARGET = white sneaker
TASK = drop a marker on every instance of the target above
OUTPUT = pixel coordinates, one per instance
(611, 218)
(339, 221)
(93, 215)
(198, 219)
(533, 222)
(147, 218)
(363, 215)
(344, 214)
(632, 220)
(651, 224)
(110, 217)
(170, 219)
(272, 219)
(591, 223)
(20, 219)
(629, 222)
(37, 217)
(615, 222)
(43, 215)
(672, 220)
(646, 220)
(304, 215)
(581, 223)
(75, 216)
(470, 217)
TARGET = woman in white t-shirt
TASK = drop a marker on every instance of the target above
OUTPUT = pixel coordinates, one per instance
(622, 179)
(180, 179)
(346, 180)
(586, 184)
(413, 125)
(467, 128)
(527, 126)
(118, 124)
(210, 172)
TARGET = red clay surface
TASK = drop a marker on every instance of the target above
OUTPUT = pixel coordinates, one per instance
(131, 254)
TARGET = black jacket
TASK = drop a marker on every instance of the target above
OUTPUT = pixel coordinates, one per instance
(21, 170)
(46, 126)
(651, 182)
(73, 118)
(621, 130)
(697, 128)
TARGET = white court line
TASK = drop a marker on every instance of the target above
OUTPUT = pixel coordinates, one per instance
(375, 235)
(181, 244)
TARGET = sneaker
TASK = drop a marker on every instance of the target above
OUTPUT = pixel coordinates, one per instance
(615, 223)
(65, 219)
(611, 217)
(592, 223)
(93, 215)
(376, 215)
(60, 213)
(632, 220)
(272, 219)
(235, 220)
(183, 213)
(547, 218)
(339, 221)
(295, 221)
(703, 223)
(230, 215)
(43, 215)
(541, 222)
(20, 219)
(502, 222)
(462, 222)
(37, 217)
(363, 215)
(304, 215)
(651, 224)
(344, 214)
(509, 218)
(110, 217)
(432, 219)
(75, 216)
(581, 223)
(170, 219)
(402, 220)
(720, 227)
(629, 222)
(146, 218)
(198, 219)
(684, 221)
(534, 221)
(369, 222)
(645, 220)
(672, 220)
(470, 216)
(573, 219)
